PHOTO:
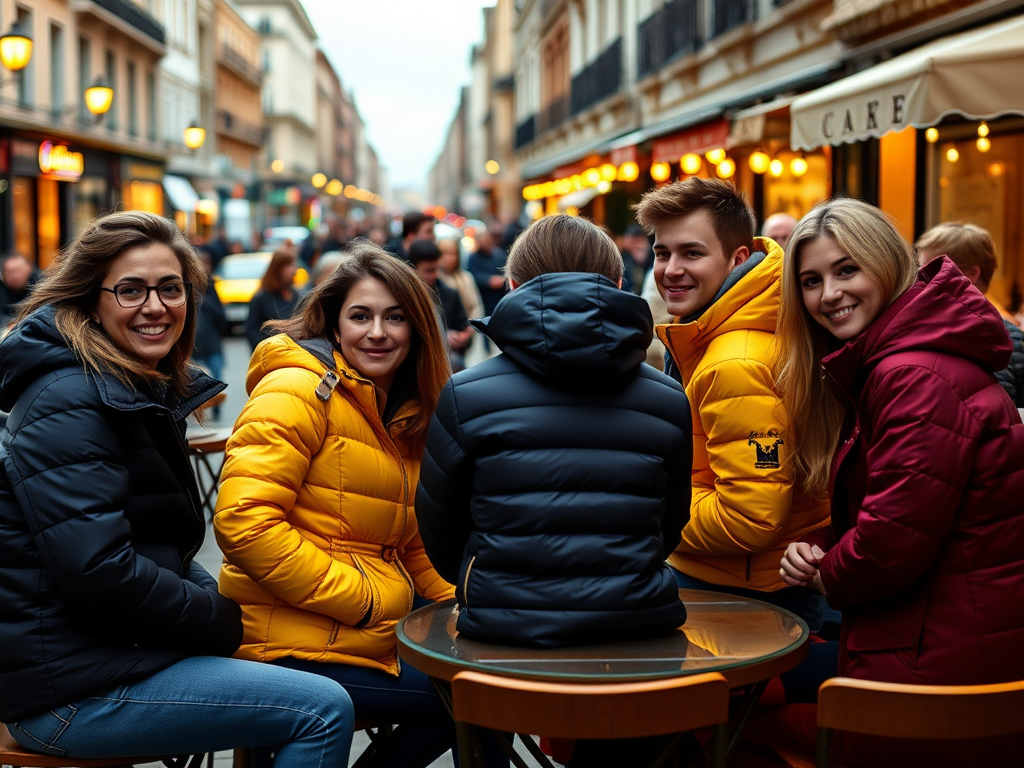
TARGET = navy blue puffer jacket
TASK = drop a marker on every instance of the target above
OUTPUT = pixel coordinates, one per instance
(98, 527)
(557, 475)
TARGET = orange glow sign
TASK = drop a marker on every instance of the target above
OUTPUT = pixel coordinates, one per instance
(59, 162)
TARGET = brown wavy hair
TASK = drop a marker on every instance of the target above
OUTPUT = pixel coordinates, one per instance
(426, 370)
(72, 285)
(563, 244)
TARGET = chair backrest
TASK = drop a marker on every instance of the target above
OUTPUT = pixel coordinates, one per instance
(921, 711)
(583, 711)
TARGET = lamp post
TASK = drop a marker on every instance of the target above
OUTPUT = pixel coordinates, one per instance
(15, 51)
(194, 136)
(98, 98)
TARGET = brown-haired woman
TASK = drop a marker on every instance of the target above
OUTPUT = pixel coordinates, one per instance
(315, 511)
(113, 636)
(276, 299)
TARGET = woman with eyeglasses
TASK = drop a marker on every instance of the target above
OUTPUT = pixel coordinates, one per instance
(115, 641)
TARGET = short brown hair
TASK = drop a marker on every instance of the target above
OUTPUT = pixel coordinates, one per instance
(72, 285)
(563, 244)
(967, 245)
(427, 369)
(731, 217)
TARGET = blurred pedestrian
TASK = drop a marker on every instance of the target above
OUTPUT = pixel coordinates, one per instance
(17, 278)
(425, 258)
(211, 326)
(415, 226)
(487, 265)
(887, 373)
(973, 251)
(454, 276)
(779, 227)
(315, 511)
(638, 256)
(115, 639)
(276, 297)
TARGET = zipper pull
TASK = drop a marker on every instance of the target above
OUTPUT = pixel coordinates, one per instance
(326, 386)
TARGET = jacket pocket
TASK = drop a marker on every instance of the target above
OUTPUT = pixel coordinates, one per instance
(42, 732)
(368, 615)
(893, 626)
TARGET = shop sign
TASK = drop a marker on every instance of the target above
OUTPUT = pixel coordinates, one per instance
(56, 161)
(696, 140)
(867, 119)
(622, 155)
(141, 170)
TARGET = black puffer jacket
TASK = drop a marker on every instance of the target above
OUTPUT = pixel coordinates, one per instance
(98, 527)
(1012, 376)
(557, 475)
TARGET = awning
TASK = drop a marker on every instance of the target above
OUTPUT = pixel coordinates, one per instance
(182, 196)
(976, 74)
(577, 199)
(752, 125)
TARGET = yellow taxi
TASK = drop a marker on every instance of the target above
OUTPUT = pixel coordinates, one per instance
(237, 278)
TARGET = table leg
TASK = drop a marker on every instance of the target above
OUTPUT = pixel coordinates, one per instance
(750, 700)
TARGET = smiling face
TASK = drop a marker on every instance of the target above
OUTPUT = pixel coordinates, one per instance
(150, 331)
(374, 331)
(838, 294)
(690, 264)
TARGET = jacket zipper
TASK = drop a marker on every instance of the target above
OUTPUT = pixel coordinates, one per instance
(188, 489)
(465, 581)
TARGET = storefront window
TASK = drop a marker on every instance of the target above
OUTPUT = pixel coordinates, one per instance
(143, 196)
(793, 192)
(88, 200)
(23, 197)
(986, 189)
(49, 220)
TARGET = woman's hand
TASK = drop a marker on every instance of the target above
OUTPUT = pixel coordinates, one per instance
(800, 565)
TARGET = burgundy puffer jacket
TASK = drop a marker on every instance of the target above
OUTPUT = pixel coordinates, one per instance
(928, 495)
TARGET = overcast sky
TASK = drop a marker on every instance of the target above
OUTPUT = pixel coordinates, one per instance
(406, 61)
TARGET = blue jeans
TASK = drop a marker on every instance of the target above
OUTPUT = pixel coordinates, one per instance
(204, 704)
(805, 603)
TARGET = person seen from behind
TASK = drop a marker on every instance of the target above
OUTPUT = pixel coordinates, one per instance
(276, 298)
(972, 250)
(315, 511)
(722, 286)
(922, 453)
(425, 258)
(210, 328)
(115, 640)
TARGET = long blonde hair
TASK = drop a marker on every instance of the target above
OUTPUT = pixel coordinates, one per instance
(427, 369)
(869, 238)
(72, 285)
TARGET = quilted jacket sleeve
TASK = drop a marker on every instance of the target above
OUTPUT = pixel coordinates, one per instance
(72, 493)
(919, 459)
(748, 507)
(443, 496)
(279, 430)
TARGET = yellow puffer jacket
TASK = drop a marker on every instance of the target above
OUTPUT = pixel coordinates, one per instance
(745, 506)
(315, 516)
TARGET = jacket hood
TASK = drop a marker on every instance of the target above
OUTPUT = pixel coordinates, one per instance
(571, 324)
(748, 301)
(35, 347)
(941, 312)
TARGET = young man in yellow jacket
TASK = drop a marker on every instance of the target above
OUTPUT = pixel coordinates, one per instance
(722, 285)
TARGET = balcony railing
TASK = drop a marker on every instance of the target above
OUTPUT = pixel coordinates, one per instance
(135, 16)
(241, 130)
(730, 14)
(671, 32)
(555, 112)
(236, 61)
(525, 131)
(599, 80)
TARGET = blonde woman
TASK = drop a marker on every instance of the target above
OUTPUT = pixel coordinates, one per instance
(888, 376)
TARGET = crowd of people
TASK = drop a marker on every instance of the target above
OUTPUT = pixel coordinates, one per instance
(834, 430)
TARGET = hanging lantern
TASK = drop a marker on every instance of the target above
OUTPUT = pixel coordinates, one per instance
(16, 48)
(931, 135)
(629, 171)
(608, 172)
(798, 166)
(776, 167)
(661, 171)
(715, 156)
(99, 96)
(759, 162)
(726, 168)
(194, 136)
(983, 144)
(690, 163)
(983, 129)
(952, 155)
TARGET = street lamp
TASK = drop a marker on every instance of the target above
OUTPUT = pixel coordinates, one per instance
(98, 97)
(16, 48)
(194, 135)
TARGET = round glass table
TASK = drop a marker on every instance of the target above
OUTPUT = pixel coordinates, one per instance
(747, 641)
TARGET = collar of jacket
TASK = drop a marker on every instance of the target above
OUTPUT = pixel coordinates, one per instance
(117, 395)
(941, 312)
(748, 300)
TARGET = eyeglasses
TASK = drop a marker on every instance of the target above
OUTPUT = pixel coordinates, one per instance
(132, 295)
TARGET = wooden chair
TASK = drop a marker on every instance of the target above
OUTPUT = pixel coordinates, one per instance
(917, 711)
(581, 711)
(13, 754)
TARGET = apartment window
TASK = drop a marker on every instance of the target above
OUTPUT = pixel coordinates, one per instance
(151, 105)
(84, 73)
(266, 61)
(133, 106)
(112, 80)
(27, 78)
(56, 70)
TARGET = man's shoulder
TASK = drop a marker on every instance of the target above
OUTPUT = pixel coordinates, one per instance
(739, 349)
